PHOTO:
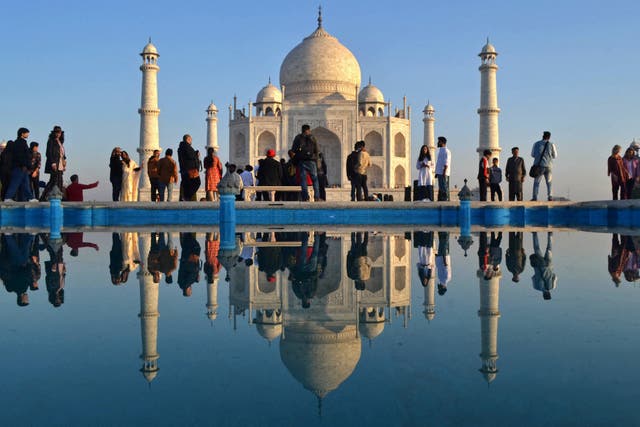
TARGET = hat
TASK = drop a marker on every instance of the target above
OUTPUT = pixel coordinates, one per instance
(271, 153)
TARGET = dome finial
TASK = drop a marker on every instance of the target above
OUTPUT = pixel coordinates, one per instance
(319, 16)
(269, 79)
(369, 80)
(149, 39)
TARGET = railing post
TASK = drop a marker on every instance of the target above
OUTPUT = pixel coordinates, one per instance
(56, 215)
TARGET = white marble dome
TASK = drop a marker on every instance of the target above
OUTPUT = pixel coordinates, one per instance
(268, 94)
(488, 49)
(212, 107)
(150, 49)
(320, 66)
(370, 93)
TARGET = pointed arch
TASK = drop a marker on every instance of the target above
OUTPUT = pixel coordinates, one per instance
(399, 177)
(330, 146)
(373, 143)
(266, 140)
(399, 148)
(375, 177)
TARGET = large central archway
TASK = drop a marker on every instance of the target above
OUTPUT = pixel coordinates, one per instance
(329, 146)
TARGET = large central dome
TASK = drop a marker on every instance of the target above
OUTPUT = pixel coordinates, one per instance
(319, 67)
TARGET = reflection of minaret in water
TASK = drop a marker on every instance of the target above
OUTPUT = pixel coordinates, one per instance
(430, 299)
(148, 313)
(212, 299)
(489, 313)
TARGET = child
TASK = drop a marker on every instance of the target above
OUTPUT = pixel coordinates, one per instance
(495, 178)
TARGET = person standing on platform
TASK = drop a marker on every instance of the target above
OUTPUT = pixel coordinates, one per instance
(130, 176)
(351, 169)
(168, 175)
(270, 173)
(115, 173)
(305, 148)
(189, 161)
(483, 175)
(34, 170)
(515, 173)
(212, 174)
(425, 175)
(443, 169)
(618, 173)
(632, 165)
(154, 176)
(56, 161)
(323, 182)
(543, 152)
(495, 178)
(20, 156)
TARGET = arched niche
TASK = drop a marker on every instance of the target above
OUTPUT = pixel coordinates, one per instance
(266, 141)
(399, 149)
(399, 176)
(330, 147)
(373, 143)
(239, 146)
(374, 177)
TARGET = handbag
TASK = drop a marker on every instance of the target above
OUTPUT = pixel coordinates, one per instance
(537, 170)
(193, 173)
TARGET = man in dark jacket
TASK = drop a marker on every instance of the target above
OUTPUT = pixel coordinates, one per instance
(115, 173)
(305, 148)
(351, 167)
(515, 173)
(270, 173)
(5, 167)
(55, 161)
(188, 159)
(20, 164)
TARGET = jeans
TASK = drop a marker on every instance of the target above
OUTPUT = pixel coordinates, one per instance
(154, 188)
(536, 183)
(165, 186)
(310, 167)
(495, 189)
(19, 179)
(116, 189)
(443, 188)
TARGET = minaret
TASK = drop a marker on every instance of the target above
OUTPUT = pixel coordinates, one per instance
(489, 110)
(489, 313)
(429, 132)
(148, 313)
(212, 127)
(212, 299)
(430, 299)
(149, 112)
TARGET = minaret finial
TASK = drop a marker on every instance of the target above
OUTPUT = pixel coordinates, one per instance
(269, 79)
(369, 80)
(487, 39)
(319, 16)
(149, 39)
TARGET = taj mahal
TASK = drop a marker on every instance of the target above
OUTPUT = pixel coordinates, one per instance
(320, 85)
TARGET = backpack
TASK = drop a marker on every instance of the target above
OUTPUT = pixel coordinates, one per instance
(305, 152)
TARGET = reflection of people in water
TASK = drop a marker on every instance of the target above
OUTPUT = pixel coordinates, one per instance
(544, 279)
(18, 279)
(167, 258)
(516, 258)
(483, 252)
(55, 271)
(189, 272)
(443, 262)
(212, 263)
(130, 254)
(34, 264)
(303, 272)
(358, 263)
(153, 259)
(426, 256)
(76, 241)
(269, 258)
(624, 258)
(116, 266)
(495, 255)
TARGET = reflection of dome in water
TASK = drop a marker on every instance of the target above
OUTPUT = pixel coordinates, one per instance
(149, 373)
(269, 331)
(320, 65)
(318, 358)
(371, 330)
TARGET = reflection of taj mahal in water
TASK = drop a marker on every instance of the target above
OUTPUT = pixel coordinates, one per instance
(320, 342)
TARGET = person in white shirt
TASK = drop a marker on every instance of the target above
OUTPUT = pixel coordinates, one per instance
(443, 262)
(248, 180)
(443, 169)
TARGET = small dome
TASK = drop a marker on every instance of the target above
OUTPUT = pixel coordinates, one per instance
(212, 107)
(370, 93)
(269, 93)
(269, 331)
(150, 48)
(428, 108)
(488, 49)
(371, 330)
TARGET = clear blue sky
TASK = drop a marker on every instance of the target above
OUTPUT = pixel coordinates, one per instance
(565, 66)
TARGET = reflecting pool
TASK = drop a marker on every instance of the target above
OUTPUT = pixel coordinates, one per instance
(321, 327)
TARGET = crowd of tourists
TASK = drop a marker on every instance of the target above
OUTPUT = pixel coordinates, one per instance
(624, 171)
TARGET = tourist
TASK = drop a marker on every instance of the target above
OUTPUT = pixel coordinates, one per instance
(130, 254)
(323, 181)
(189, 161)
(56, 161)
(130, 176)
(212, 174)
(632, 165)
(425, 175)
(153, 174)
(18, 280)
(235, 180)
(115, 259)
(443, 262)
(516, 258)
(304, 270)
(495, 252)
(358, 262)
(34, 170)
(168, 257)
(495, 178)
(543, 152)
(167, 175)
(618, 172)
(305, 148)
(269, 174)
(483, 253)
(351, 170)
(544, 279)
(5, 167)
(75, 190)
(212, 263)
(360, 167)
(115, 173)
(483, 175)
(20, 163)
(153, 258)
(515, 173)
(443, 169)
(248, 180)
(75, 241)
(55, 272)
(289, 173)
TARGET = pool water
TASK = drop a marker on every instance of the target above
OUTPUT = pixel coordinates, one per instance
(320, 327)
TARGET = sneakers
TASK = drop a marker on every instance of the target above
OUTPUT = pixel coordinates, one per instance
(34, 201)
(550, 199)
